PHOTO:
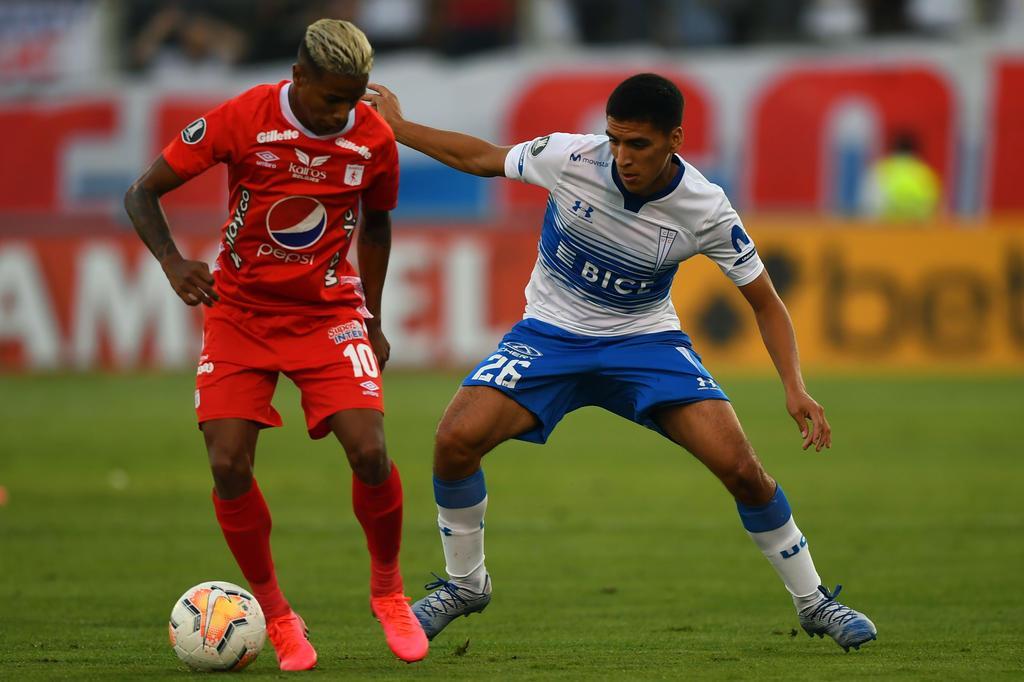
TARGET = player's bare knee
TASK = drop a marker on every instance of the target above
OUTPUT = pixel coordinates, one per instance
(456, 451)
(747, 480)
(231, 468)
(369, 461)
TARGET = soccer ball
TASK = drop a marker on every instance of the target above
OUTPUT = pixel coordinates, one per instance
(217, 626)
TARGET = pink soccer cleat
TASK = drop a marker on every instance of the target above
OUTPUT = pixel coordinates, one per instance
(404, 635)
(290, 638)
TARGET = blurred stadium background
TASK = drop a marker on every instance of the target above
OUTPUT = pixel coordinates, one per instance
(791, 106)
(875, 149)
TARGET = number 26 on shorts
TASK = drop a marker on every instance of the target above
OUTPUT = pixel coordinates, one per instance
(507, 377)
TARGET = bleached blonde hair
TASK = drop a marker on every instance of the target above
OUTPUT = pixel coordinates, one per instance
(339, 46)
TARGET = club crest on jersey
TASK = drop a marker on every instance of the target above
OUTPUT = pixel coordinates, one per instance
(346, 332)
(296, 222)
(194, 131)
(354, 174)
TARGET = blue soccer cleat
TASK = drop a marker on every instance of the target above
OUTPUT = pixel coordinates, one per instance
(447, 602)
(848, 627)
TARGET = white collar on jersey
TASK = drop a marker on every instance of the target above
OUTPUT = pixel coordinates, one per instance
(286, 111)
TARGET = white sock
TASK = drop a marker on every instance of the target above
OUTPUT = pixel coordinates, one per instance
(462, 537)
(789, 554)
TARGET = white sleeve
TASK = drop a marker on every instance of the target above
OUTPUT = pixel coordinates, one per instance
(540, 161)
(724, 241)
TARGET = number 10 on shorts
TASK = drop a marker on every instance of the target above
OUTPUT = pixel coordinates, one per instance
(364, 362)
(507, 377)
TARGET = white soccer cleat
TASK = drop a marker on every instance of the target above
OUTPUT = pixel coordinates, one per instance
(847, 627)
(447, 602)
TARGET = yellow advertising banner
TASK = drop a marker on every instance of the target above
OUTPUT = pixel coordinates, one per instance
(879, 299)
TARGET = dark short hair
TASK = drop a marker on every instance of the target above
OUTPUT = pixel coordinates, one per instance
(647, 97)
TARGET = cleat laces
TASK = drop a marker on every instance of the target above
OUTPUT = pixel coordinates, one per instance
(444, 595)
(831, 611)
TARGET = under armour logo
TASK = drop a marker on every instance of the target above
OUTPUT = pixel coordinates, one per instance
(586, 209)
(706, 383)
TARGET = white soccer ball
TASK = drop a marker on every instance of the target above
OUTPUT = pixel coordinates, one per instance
(217, 626)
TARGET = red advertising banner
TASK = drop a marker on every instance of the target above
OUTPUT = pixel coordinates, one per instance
(883, 299)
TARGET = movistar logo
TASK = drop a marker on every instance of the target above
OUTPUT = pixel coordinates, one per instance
(579, 158)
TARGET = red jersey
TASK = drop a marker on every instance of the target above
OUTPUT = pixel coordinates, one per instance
(294, 198)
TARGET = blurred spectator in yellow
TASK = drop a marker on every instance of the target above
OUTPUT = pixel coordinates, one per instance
(901, 186)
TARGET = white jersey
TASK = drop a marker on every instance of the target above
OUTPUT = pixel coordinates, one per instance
(606, 256)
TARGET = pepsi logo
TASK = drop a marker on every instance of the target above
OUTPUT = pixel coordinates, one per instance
(296, 222)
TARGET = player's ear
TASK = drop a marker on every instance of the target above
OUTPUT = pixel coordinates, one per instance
(298, 74)
(676, 136)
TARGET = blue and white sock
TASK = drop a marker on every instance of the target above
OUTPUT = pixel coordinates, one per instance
(773, 530)
(461, 506)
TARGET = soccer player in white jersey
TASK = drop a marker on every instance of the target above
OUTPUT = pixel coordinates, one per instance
(624, 210)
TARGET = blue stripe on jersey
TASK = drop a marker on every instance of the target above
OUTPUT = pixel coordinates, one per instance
(616, 252)
(599, 277)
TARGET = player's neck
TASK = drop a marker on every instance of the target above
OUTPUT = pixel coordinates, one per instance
(664, 179)
(296, 106)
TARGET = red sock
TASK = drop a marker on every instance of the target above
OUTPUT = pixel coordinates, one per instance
(379, 510)
(245, 521)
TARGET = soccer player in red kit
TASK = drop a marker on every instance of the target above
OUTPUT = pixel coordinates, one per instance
(307, 161)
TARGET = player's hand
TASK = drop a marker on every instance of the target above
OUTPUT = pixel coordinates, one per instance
(385, 102)
(803, 408)
(191, 280)
(379, 343)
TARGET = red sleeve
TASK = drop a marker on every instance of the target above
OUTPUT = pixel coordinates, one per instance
(382, 194)
(203, 143)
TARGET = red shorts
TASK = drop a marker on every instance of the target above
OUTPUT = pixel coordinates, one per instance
(328, 358)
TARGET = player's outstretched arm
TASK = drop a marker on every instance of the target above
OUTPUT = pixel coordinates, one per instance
(780, 340)
(190, 279)
(462, 152)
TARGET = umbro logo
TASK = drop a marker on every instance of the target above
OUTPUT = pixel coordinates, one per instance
(267, 159)
(370, 388)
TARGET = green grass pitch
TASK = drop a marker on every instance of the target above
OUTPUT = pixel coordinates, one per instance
(614, 554)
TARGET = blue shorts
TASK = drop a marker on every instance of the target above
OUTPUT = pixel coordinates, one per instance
(552, 372)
